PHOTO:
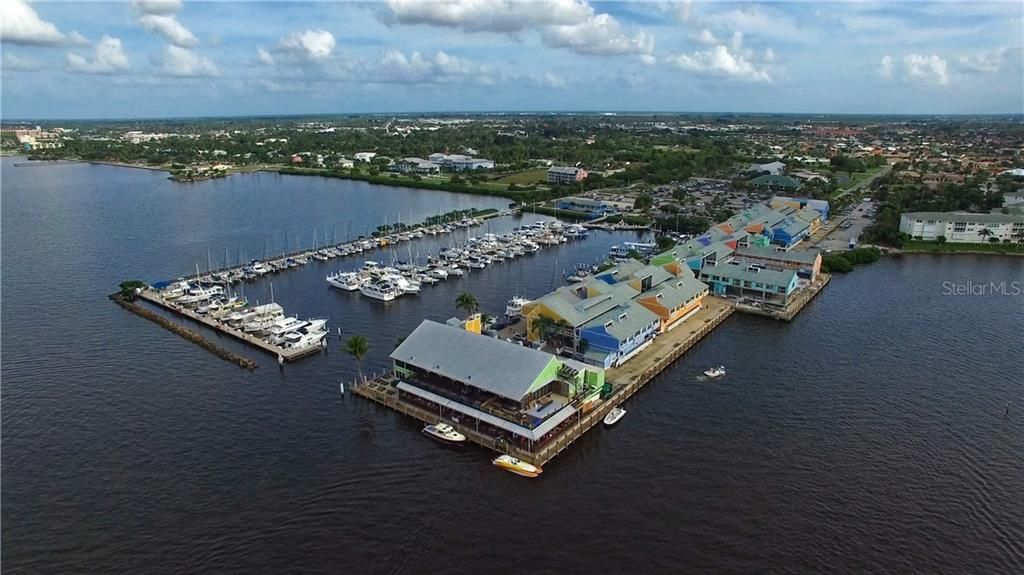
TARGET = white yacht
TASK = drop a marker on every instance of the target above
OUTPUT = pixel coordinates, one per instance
(302, 339)
(244, 316)
(715, 371)
(514, 308)
(282, 326)
(445, 434)
(197, 295)
(348, 281)
(382, 289)
(260, 268)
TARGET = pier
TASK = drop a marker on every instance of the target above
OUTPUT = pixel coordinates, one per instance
(626, 381)
(286, 355)
(793, 306)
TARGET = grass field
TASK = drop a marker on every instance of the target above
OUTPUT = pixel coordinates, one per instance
(525, 177)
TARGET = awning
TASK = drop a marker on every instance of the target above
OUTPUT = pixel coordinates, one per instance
(531, 434)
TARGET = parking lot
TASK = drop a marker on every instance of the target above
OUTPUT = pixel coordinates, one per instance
(858, 216)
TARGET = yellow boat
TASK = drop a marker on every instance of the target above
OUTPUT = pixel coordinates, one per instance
(517, 466)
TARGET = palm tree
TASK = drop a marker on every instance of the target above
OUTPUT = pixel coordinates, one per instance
(542, 325)
(357, 346)
(985, 233)
(467, 302)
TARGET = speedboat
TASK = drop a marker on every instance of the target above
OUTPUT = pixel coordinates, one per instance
(384, 290)
(715, 371)
(517, 466)
(444, 433)
(348, 281)
(614, 416)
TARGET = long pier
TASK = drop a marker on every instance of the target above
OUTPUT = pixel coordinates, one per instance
(284, 354)
(626, 381)
(46, 163)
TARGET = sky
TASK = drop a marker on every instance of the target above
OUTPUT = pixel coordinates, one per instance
(148, 58)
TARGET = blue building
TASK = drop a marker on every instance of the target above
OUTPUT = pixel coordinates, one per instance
(750, 281)
(593, 208)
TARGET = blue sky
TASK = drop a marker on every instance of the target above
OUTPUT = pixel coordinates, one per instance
(173, 58)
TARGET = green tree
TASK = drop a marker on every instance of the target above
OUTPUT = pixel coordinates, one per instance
(665, 242)
(941, 239)
(467, 302)
(357, 346)
(643, 202)
(128, 288)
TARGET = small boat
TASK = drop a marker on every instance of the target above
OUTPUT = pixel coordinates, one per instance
(614, 416)
(715, 371)
(517, 466)
(514, 307)
(445, 434)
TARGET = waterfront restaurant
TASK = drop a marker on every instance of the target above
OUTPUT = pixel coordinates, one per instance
(751, 281)
(499, 388)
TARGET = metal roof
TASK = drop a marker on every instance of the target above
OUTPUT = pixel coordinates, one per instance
(803, 257)
(966, 217)
(486, 363)
(678, 291)
(742, 272)
(532, 434)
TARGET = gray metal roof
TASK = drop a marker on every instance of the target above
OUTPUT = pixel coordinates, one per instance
(803, 257)
(678, 291)
(486, 363)
(779, 278)
(966, 217)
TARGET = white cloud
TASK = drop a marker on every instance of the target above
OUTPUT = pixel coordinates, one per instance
(647, 59)
(109, 57)
(15, 63)
(504, 16)
(549, 80)
(705, 37)
(169, 28)
(756, 21)
(159, 7)
(570, 24)
(600, 35)
(20, 24)
(925, 69)
(720, 61)
(885, 67)
(984, 62)
(312, 45)
(395, 67)
(184, 63)
(265, 57)
(77, 39)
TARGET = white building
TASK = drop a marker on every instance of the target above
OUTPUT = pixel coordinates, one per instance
(566, 175)
(963, 227)
(414, 166)
(460, 162)
(365, 156)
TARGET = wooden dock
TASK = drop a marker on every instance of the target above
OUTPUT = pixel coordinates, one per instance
(627, 380)
(285, 354)
(793, 307)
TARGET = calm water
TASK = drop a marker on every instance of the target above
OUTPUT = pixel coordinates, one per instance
(867, 436)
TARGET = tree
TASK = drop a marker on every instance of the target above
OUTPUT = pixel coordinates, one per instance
(357, 346)
(985, 233)
(128, 288)
(665, 243)
(941, 239)
(643, 202)
(993, 240)
(467, 302)
(542, 325)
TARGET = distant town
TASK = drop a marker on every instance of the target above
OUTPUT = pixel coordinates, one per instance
(678, 174)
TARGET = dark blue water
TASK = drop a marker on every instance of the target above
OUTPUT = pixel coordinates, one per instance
(866, 436)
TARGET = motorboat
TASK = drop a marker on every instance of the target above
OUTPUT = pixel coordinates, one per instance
(197, 295)
(614, 416)
(382, 289)
(282, 326)
(444, 433)
(514, 307)
(715, 371)
(577, 276)
(348, 281)
(303, 338)
(517, 466)
(175, 290)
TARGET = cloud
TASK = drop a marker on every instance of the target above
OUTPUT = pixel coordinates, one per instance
(722, 62)
(569, 24)
(885, 67)
(549, 80)
(20, 24)
(925, 69)
(983, 62)
(311, 45)
(184, 63)
(647, 59)
(504, 16)
(158, 7)
(169, 28)
(77, 39)
(916, 68)
(756, 21)
(599, 36)
(395, 67)
(265, 57)
(109, 58)
(704, 37)
(15, 63)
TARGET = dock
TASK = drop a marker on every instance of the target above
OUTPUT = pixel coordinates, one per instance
(286, 355)
(793, 306)
(626, 381)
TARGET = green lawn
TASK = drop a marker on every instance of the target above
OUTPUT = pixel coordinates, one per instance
(947, 247)
(525, 177)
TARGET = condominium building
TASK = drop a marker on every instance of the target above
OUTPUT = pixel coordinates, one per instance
(566, 175)
(963, 227)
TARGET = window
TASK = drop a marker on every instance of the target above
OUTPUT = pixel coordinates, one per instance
(622, 317)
